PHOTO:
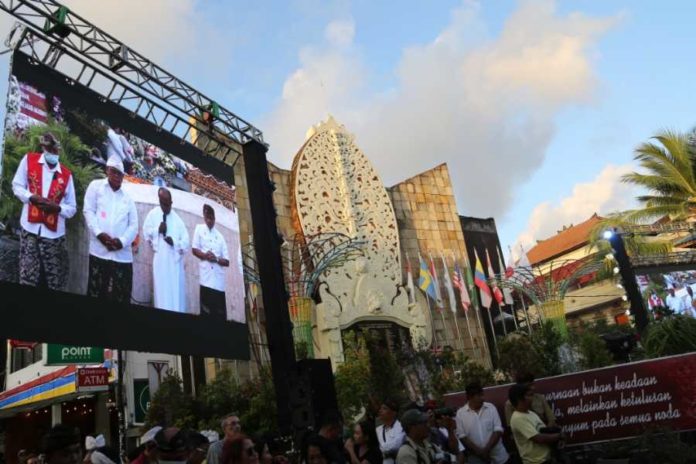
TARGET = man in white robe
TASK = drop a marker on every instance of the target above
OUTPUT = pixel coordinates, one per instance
(164, 230)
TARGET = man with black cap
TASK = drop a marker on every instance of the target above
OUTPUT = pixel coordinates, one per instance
(416, 448)
(390, 434)
(172, 444)
(45, 187)
(62, 445)
(112, 220)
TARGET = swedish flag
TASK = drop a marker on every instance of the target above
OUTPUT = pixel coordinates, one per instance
(425, 280)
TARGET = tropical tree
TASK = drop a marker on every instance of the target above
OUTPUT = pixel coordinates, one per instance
(667, 175)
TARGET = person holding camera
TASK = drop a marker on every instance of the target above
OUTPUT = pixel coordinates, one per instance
(534, 440)
(480, 429)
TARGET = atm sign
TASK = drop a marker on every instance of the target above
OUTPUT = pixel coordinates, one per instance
(91, 379)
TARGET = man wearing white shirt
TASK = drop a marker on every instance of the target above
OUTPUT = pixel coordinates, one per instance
(480, 429)
(390, 434)
(166, 233)
(674, 302)
(112, 220)
(45, 187)
(210, 248)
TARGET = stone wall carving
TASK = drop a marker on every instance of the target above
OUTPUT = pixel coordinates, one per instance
(334, 188)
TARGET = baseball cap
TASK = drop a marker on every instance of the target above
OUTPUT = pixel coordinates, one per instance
(413, 417)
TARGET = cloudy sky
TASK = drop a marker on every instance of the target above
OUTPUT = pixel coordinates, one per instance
(535, 106)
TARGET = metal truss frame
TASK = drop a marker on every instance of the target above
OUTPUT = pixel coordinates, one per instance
(677, 258)
(111, 57)
(43, 50)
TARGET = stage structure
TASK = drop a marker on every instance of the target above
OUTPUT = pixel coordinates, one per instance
(52, 36)
(546, 286)
(630, 266)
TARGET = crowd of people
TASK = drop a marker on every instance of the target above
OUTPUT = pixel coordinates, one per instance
(422, 434)
(46, 189)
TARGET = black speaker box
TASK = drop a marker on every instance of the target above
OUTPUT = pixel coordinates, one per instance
(312, 393)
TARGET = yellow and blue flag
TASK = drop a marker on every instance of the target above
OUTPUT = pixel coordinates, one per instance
(425, 279)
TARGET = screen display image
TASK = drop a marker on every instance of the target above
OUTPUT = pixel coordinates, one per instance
(101, 212)
(672, 290)
(92, 205)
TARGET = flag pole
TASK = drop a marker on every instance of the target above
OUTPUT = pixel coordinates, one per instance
(430, 311)
(495, 342)
(452, 300)
(438, 304)
(477, 308)
(462, 280)
(450, 294)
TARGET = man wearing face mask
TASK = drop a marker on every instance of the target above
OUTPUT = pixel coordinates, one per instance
(167, 234)
(45, 187)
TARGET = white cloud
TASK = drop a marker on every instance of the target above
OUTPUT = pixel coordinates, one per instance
(158, 29)
(485, 105)
(326, 81)
(605, 194)
(340, 33)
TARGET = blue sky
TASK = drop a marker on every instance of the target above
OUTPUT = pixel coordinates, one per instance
(535, 106)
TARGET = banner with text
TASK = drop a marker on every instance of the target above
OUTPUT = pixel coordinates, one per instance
(615, 402)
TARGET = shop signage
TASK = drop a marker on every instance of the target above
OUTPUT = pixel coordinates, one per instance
(61, 355)
(92, 379)
(615, 402)
(141, 389)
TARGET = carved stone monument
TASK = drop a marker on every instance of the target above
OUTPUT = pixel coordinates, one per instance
(334, 188)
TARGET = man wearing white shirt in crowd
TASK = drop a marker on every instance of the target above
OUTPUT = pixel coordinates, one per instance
(674, 302)
(390, 434)
(480, 429)
(45, 187)
(166, 232)
(112, 220)
(210, 248)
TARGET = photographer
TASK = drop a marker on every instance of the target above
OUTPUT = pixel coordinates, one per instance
(443, 430)
(533, 440)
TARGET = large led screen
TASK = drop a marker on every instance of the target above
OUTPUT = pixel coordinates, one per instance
(668, 290)
(93, 204)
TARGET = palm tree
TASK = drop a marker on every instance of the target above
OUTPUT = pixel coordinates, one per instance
(668, 176)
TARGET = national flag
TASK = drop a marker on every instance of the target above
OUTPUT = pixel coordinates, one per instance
(460, 284)
(436, 282)
(497, 294)
(470, 286)
(507, 291)
(425, 279)
(409, 283)
(448, 286)
(480, 282)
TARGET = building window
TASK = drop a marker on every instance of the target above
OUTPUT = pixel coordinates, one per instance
(23, 357)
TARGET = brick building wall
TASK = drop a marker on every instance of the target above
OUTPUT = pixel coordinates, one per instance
(426, 214)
